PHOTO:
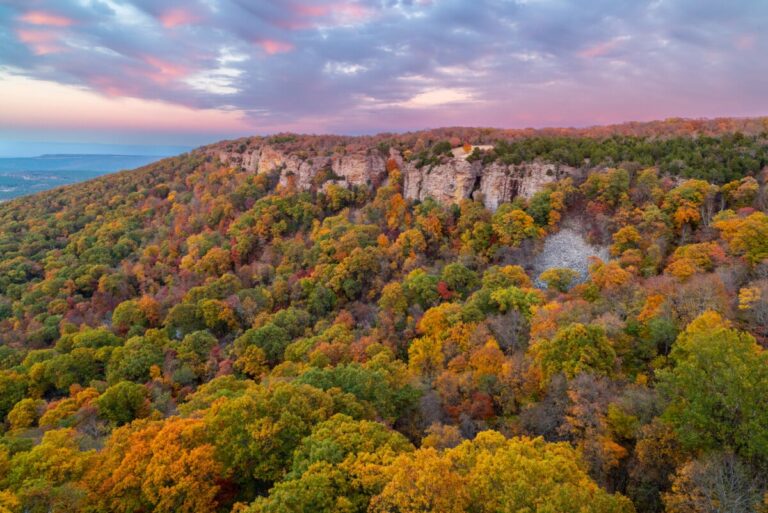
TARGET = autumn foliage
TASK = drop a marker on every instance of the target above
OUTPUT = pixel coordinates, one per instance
(196, 336)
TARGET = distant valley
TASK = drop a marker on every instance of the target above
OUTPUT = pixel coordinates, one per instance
(28, 175)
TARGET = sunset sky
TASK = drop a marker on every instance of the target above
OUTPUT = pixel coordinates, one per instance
(188, 72)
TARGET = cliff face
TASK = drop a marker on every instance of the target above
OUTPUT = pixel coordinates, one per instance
(354, 169)
(503, 183)
(448, 182)
(493, 184)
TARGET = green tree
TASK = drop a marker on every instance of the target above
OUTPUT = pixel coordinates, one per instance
(128, 315)
(269, 338)
(333, 440)
(256, 433)
(183, 319)
(13, 388)
(558, 278)
(575, 349)
(382, 383)
(46, 477)
(513, 298)
(25, 413)
(132, 362)
(123, 402)
(459, 278)
(717, 388)
(194, 350)
(421, 288)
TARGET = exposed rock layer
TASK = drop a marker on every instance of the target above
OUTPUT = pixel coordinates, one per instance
(450, 181)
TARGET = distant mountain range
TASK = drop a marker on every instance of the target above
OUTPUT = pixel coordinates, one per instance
(27, 175)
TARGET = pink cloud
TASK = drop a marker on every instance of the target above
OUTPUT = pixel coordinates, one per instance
(746, 41)
(110, 86)
(272, 46)
(349, 10)
(597, 50)
(336, 13)
(111, 104)
(176, 17)
(600, 49)
(352, 12)
(163, 71)
(312, 11)
(46, 18)
(41, 42)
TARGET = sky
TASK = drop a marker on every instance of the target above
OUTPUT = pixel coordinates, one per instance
(189, 72)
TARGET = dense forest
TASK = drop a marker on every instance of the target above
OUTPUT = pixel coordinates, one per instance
(193, 337)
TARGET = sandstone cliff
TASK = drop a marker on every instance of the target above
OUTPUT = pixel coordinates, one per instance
(493, 184)
(449, 181)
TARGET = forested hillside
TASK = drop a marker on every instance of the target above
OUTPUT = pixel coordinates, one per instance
(195, 336)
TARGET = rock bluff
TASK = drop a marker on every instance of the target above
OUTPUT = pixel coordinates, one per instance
(450, 181)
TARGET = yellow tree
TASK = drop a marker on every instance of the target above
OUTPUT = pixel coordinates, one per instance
(513, 226)
(575, 349)
(44, 478)
(690, 203)
(425, 356)
(492, 474)
(422, 482)
(626, 238)
(746, 236)
(559, 278)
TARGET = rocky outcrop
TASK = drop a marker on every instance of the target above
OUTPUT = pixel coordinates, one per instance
(269, 159)
(501, 183)
(534, 176)
(360, 169)
(300, 173)
(449, 181)
(353, 169)
(493, 184)
(497, 185)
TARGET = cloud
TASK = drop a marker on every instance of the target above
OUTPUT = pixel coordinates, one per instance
(602, 48)
(52, 106)
(221, 80)
(436, 97)
(177, 16)
(273, 46)
(40, 41)
(46, 18)
(367, 65)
